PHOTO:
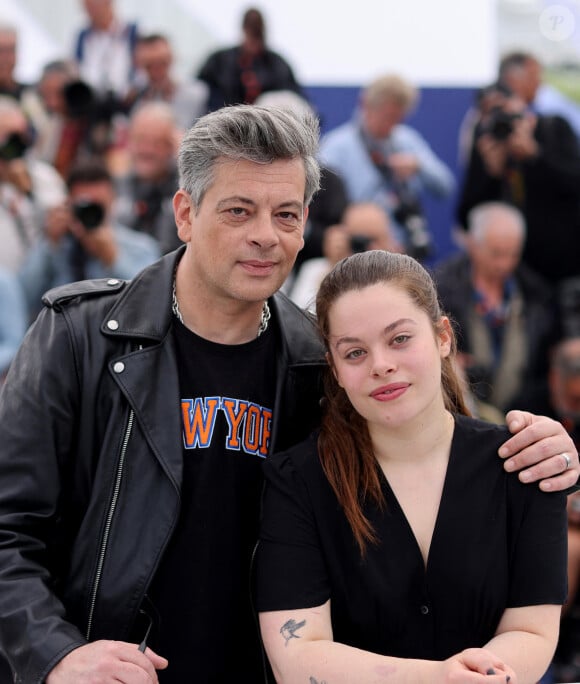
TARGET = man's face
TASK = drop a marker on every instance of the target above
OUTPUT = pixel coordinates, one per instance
(100, 13)
(51, 91)
(246, 233)
(155, 59)
(151, 147)
(369, 221)
(11, 123)
(380, 119)
(525, 80)
(7, 56)
(496, 256)
(99, 192)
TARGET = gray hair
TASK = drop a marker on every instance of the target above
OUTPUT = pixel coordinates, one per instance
(483, 215)
(247, 132)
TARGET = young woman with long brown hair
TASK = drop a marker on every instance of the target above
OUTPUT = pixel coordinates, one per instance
(394, 547)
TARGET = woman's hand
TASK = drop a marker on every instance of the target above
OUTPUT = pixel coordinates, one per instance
(476, 665)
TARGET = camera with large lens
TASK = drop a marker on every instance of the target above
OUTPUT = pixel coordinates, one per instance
(409, 215)
(90, 214)
(359, 243)
(94, 111)
(13, 147)
(500, 124)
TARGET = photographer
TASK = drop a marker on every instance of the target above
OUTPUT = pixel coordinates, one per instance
(81, 240)
(28, 187)
(532, 162)
(144, 194)
(383, 160)
(77, 122)
(364, 226)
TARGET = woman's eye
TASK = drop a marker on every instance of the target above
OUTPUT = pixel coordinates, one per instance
(355, 354)
(401, 339)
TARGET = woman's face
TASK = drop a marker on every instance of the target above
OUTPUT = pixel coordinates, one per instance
(386, 356)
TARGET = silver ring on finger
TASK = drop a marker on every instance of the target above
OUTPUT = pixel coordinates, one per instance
(568, 460)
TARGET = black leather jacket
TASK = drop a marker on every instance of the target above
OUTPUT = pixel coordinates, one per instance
(91, 455)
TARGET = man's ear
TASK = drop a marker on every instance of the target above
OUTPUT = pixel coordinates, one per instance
(184, 211)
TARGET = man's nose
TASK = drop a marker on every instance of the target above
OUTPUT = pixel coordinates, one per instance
(262, 232)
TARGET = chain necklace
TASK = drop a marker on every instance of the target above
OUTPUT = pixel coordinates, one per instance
(264, 319)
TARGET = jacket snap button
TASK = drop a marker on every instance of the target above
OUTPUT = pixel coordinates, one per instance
(113, 325)
(112, 281)
(424, 610)
(119, 367)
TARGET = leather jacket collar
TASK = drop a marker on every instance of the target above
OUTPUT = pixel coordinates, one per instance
(154, 285)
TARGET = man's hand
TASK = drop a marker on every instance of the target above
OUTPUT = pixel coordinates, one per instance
(521, 144)
(57, 222)
(17, 174)
(107, 662)
(494, 155)
(540, 442)
(99, 242)
(404, 165)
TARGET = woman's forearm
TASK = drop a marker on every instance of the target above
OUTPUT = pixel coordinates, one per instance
(527, 646)
(301, 649)
(328, 662)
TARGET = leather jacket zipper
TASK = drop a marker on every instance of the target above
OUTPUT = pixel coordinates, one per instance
(109, 521)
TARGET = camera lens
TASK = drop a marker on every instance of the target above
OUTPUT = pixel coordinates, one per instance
(359, 243)
(90, 214)
(13, 147)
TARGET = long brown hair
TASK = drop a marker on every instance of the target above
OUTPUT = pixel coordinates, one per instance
(344, 444)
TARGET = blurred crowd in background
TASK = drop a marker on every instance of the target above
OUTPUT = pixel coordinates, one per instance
(88, 173)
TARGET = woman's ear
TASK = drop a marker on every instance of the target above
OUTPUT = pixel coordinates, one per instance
(445, 336)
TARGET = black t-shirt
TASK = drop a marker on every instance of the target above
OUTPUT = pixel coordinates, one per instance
(497, 543)
(205, 625)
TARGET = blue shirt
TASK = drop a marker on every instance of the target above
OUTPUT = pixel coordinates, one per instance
(345, 152)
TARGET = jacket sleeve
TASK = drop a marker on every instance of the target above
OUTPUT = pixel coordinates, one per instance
(477, 187)
(557, 166)
(37, 423)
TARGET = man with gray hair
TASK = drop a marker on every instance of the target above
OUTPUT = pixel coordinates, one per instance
(141, 413)
(135, 418)
(502, 309)
(381, 159)
(145, 189)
